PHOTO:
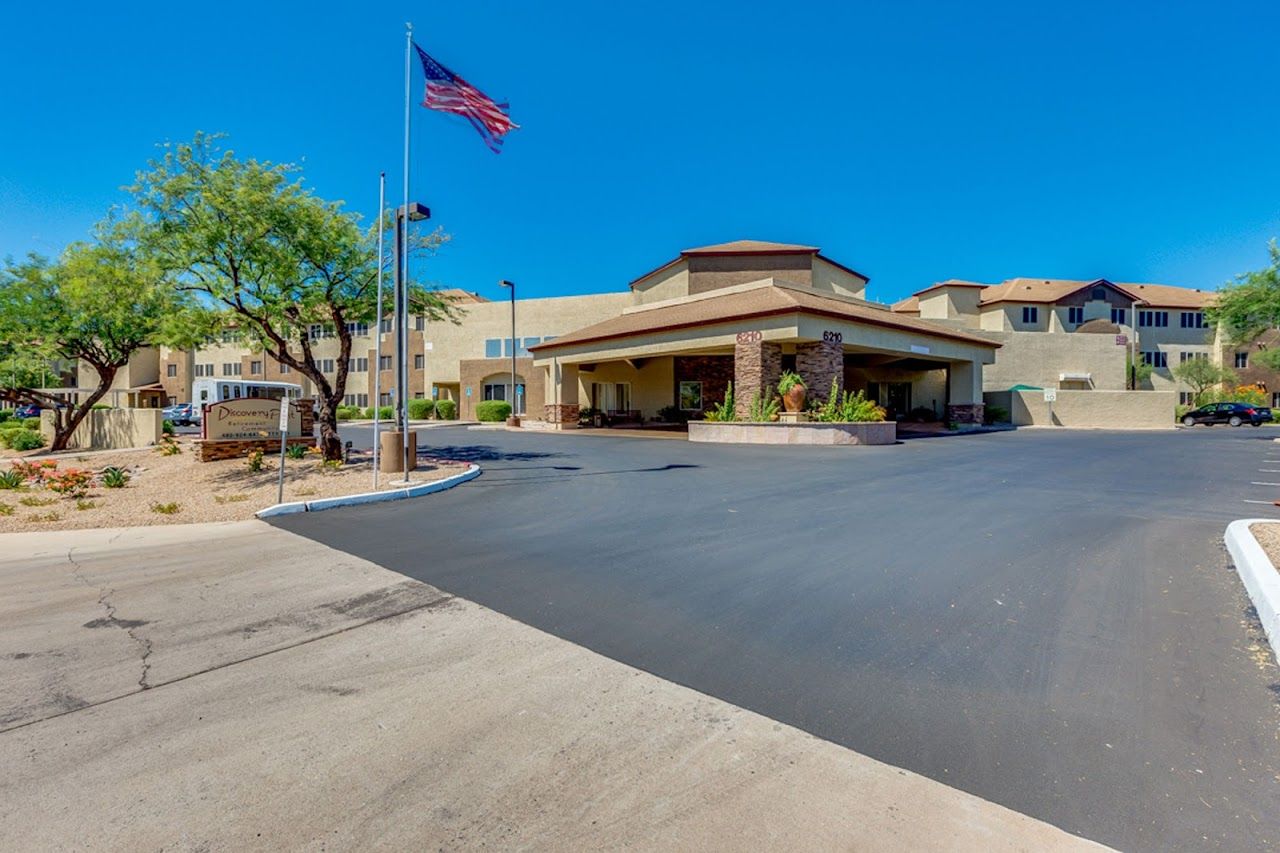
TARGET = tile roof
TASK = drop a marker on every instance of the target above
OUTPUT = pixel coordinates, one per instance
(909, 305)
(776, 297)
(1041, 290)
(752, 247)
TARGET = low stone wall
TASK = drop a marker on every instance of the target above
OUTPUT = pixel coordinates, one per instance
(111, 429)
(210, 451)
(1089, 409)
(873, 432)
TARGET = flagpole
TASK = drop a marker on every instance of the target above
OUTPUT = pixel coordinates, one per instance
(403, 222)
(377, 331)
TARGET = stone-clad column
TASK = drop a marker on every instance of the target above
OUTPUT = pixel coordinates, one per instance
(818, 363)
(757, 366)
(561, 409)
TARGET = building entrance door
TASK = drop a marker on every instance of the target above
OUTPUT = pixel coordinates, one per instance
(897, 398)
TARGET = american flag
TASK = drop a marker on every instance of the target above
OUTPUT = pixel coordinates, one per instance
(449, 93)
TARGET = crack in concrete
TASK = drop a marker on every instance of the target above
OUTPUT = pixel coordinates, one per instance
(130, 627)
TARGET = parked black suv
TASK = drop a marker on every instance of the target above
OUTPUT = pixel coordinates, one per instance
(1234, 414)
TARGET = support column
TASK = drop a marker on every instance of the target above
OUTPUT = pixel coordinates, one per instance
(561, 409)
(818, 363)
(964, 393)
(757, 366)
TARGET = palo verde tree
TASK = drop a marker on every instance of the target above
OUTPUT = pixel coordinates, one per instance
(1201, 374)
(1249, 306)
(94, 307)
(266, 256)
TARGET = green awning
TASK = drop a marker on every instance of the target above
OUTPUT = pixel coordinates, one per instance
(1026, 388)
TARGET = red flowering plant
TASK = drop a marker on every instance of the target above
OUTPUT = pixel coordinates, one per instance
(36, 472)
(71, 483)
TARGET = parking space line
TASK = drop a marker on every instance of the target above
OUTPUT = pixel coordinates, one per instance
(1269, 470)
(1256, 483)
(1266, 503)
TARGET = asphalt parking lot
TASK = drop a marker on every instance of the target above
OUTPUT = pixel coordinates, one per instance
(1045, 619)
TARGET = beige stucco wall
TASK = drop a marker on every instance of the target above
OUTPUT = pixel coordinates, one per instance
(956, 304)
(1034, 358)
(668, 283)
(829, 278)
(1089, 409)
(652, 382)
(111, 429)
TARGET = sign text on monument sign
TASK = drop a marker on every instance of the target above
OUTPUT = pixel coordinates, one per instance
(250, 418)
(1122, 340)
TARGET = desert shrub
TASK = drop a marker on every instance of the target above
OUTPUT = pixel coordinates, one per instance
(422, 409)
(347, 413)
(71, 483)
(34, 500)
(114, 478)
(996, 415)
(722, 411)
(296, 451)
(446, 410)
(230, 499)
(847, 408)
(36, 472)
(26, 440)
(255, 461)
(167, 427)
(82, 505)
(11, 479)
(493, 411)
(171, 508)
(385, 413)
(168, 447)
(5, 509)
(764, 406)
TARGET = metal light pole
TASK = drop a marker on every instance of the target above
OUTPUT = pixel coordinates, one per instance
(512, 286)
(377, 334)
(416, 213)
(1133, 347)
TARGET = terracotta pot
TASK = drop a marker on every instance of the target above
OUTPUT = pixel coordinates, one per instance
(793, 400)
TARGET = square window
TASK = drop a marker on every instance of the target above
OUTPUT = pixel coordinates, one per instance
(691, 396)
(493, 348)
(1242, 359)
(418, 361)
(1075, 315)
(1118, 316)
(171, 370)
(1030, 315)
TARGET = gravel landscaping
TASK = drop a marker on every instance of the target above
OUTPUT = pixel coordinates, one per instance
(1268, 536)
(177, 489)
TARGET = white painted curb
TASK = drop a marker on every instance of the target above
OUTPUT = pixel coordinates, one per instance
(320, 504)
(1258, 574)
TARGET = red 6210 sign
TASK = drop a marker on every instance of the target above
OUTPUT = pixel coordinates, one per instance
(750, 337)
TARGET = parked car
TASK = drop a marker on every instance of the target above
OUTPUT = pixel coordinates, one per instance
(182, 414)
(27, 410)
(1234, 414)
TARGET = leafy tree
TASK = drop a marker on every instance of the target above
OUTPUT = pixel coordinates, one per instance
(1249, 306)
(1138, 372)
(1201, 374)
(97, 305)
(265, 255)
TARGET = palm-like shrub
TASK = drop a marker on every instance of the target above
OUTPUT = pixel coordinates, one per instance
(723, 411)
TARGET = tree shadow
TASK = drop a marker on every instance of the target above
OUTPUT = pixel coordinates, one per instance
(484, 453)
(496, 480)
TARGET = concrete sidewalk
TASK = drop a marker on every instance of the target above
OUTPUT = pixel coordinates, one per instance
(233, 686)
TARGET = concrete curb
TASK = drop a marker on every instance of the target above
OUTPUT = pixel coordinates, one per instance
(320, 504)
(1258, 574)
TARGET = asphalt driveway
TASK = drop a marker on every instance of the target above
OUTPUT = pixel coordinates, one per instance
(1044, 619)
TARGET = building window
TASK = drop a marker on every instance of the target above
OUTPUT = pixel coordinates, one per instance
(1118, 316)
(1156, 359)
(326, 365)
(1186, 398)
(1275, 399)
(284, 368)
(1193, 319)
(385, 399)
(360, 400)
(171, 370)
(1242, 359)
(1099, 293)
(232, 368)
(1184, 357)
(318, 330)
(493, 348)
(495, 391)
(231, 336)
(358, 330)
(357, 365)
(384, 362)
(418, 395)
(1153, 319)
(204, 370)
(1075, 315)
(419, 361)
(1030, 315)
(385, 325)
(691, 396)
(419, 323)
(255, 368)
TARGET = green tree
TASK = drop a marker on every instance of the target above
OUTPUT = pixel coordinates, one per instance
(1249, 306)
(97, 305)
(265, 255)
(1138, 372)
(1201, 374)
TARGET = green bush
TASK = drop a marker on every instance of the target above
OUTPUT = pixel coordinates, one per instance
(26, 440)
(98, 406)
(5, 414)
(114, 478)
(422, 409)
(385, 413)
(296, 451)
(347, 413)
(446, 410)
(996, 415)
(493, 411)
(11, 479)
(764, 407)
(167, 427)
(847, 408)
(31, 423)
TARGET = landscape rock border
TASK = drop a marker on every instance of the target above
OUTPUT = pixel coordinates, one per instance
(320, 504)
(1259, 576)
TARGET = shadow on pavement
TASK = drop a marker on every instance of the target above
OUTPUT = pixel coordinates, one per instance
(483, 453)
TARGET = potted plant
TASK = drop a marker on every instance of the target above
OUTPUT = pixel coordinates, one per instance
(792, 389)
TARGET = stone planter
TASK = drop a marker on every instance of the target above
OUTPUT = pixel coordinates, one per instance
(810, 433)
(793, 400)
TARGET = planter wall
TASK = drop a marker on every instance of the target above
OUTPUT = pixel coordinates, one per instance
(874, 432)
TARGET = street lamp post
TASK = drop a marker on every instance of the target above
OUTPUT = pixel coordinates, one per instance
(512, 286)
(1133, 346)
(415, 213)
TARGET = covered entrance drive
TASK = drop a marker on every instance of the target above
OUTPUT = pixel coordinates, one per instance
(680, 356)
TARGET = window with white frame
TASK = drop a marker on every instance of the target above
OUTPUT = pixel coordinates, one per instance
(171, 370)
(1184, 356)
(1155, 358)
(232, 368)
(358, 330)
(360, 400)
(1242, 360)
(1186, 398)
(1030, 315)
(255, 368)
(318, 330)
(419, 323)
(326, 365)
(1153, 319)
(1118, 316)
(419, 361)
(284, 368)
(493, 348)
(384, 362)
(1193, 319)
(357, 365)
(1075, 315)
(385, 325)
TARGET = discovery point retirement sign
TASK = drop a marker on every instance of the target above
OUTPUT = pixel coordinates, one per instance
(248, 418)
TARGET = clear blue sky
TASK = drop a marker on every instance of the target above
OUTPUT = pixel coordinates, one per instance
(911, 141)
